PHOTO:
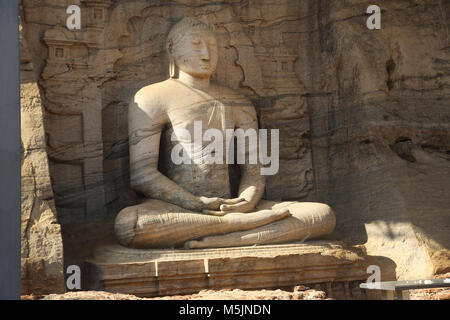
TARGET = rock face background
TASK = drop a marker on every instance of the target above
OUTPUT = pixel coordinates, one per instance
(364, 116)
(42, 248)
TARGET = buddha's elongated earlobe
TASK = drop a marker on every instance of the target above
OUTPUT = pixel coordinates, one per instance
(172, 68)
(173, 72)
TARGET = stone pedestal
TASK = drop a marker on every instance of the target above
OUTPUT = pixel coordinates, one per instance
(329, 266)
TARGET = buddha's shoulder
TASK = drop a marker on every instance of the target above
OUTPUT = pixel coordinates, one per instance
(155, 91)
(154, 98)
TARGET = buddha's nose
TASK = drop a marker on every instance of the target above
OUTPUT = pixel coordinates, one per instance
(204, 52)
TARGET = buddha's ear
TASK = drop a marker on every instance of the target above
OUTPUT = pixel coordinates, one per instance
(173, 71)
(169, 47)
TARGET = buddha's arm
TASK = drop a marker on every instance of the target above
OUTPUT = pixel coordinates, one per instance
(145, 127)
(251, 187)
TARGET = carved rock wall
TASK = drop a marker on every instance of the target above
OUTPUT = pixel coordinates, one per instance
(41, 248)
(379, 107)
(363, 115)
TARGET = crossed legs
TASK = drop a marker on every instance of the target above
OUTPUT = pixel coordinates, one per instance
(156, 224)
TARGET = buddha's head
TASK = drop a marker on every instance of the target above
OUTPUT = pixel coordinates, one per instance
(192, 48)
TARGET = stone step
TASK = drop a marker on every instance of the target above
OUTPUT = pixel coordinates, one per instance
(332, 266)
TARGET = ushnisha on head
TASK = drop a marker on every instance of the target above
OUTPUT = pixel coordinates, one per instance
(192, 48)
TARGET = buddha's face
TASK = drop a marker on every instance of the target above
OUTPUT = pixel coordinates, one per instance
(196, 53)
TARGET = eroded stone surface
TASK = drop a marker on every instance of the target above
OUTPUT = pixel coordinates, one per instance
(202, 295)
(331, 266)
(380, 129)
(41, 247)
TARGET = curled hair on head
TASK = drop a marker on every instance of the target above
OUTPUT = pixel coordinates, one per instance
(178, 31)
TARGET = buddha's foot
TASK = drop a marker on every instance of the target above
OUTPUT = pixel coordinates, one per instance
(230, 239)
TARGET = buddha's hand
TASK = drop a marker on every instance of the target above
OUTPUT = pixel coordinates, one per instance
(233, 206)
(211, 205)
(242, 207)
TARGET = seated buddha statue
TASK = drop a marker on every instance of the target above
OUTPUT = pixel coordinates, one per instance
(200, 203)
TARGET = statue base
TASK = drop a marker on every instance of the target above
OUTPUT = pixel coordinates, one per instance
(329, 266)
